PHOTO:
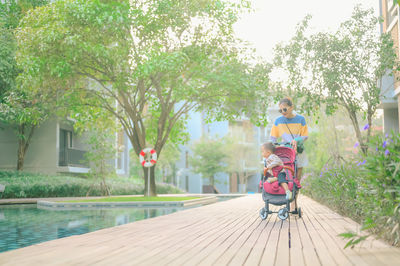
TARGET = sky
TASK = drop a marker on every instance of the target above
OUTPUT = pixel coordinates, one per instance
(274, 21)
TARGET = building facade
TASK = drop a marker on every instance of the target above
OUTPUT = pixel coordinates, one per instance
(56, 148)
(225, 182)
(390, 83)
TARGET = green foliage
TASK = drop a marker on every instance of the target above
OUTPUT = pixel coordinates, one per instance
(367, 190)
(243, 152)
(209, 158)
(354, 239)
(8, 67)
(100, 155)
(166, 163)
(11, 11)
(157, 59)
(330, 141)
(165, 171)
(344, 68)
(20, 108)
(135, 168)
(31, 185)
(336, 187)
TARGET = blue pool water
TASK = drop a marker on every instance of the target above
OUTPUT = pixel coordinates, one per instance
(24, 225)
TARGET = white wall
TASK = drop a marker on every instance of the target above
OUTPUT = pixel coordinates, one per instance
(8, 148)
(41, 155)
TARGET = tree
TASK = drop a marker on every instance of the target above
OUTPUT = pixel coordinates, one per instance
(166, 163)
(243, 151)
(165, 171)
(148, 63)
(344, 68)
(209, 158)
(20, 109)
(8, 68)
(24, 112)
(101, 153)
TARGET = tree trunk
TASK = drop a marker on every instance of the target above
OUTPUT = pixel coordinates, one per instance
(354, 121)
(153, 192)
(23, 144)
(369, 118)
(21, 155)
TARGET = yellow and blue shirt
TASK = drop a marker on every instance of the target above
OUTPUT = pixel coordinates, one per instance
(281, 126)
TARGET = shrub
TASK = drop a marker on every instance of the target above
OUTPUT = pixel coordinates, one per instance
(380, 191)
(31, 185)
(337, 188)
(367, 190)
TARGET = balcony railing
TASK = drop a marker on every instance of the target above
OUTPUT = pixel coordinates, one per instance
(73, 157)
(391, 13)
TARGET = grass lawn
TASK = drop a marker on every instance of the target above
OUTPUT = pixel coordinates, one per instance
(125, 199)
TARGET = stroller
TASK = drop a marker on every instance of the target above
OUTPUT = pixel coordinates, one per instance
(273, 193)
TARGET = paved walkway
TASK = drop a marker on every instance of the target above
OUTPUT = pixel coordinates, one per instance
(224, 233)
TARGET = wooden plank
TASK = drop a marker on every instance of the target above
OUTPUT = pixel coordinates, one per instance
(200, 240)
(318, 243)
(183, 245)
(233, 244)
(257, 251)
(369, 256)
(269, 254)
(243, 253)
(143, 249)
(282, 252)
(176, 238)
(222, 233)
(309, 251)
(296, 250)
(327, 225)
(217, 245)
(335, 252)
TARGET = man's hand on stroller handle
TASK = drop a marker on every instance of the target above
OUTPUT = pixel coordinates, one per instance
(285, 143)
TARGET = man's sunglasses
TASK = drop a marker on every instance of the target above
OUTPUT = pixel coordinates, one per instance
(284, 110)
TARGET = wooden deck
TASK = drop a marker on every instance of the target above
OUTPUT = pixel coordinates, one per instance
(225, 233)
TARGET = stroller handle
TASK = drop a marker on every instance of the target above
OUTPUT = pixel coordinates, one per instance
(283, 144)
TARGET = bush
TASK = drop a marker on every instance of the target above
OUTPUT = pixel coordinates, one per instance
(31, 185)
(367, 190)
(380, 190)
(336, 188)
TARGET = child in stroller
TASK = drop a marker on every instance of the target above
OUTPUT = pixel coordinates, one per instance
(278, 185)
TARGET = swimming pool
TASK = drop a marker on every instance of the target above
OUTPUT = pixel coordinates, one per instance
(25, 225)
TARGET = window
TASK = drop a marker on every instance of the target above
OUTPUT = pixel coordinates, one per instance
(69, 139)
(65, 139)
(65, 145)
(187, 159)
(391, 12)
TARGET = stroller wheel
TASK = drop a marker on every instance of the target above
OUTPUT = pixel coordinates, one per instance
(299, 211)
(283, 213)
(263, 214)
